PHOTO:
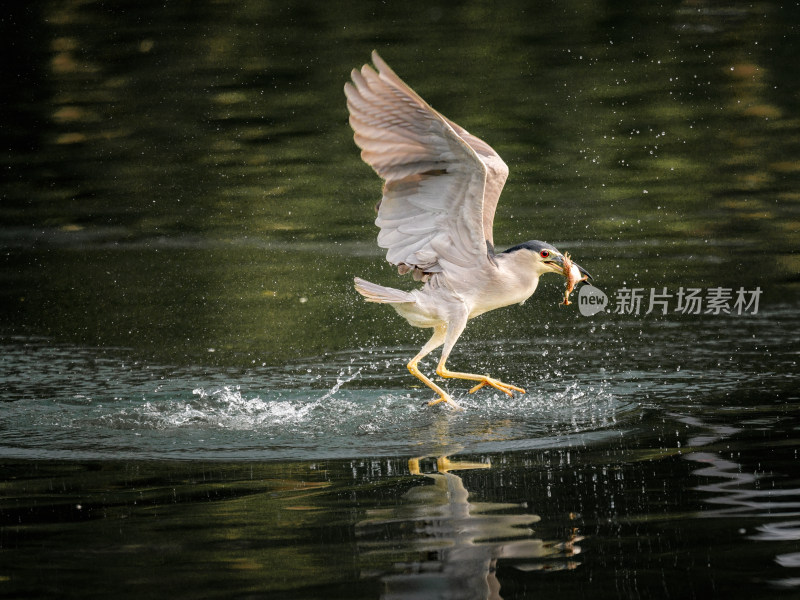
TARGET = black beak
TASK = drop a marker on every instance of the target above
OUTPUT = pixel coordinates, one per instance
(583, 271)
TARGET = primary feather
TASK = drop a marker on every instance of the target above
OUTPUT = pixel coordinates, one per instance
(442, 184)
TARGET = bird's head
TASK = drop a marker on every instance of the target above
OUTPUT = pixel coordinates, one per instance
(545, 258)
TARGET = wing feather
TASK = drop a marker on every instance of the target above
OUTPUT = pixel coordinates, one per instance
(442, 184)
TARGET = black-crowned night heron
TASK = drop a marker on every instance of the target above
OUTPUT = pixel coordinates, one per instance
(441, 189)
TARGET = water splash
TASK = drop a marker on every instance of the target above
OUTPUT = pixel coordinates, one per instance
(334, 406)
(229, 408)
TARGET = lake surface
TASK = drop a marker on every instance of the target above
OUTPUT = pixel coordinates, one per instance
(194, 402)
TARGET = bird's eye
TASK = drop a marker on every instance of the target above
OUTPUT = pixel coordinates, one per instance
(544, 253)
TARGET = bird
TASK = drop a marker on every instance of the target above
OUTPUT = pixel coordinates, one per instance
(441, 188)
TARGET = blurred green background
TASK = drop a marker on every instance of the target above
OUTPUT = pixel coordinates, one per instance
(181, 177)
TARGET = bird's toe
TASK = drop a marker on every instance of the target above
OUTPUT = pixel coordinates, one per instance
(506, 388)
(449, 402)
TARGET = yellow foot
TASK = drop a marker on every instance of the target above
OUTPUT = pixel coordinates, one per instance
(444, 465)
(447, 400)
(498, 385)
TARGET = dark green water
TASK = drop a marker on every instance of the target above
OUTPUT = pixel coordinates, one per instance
(195, 403)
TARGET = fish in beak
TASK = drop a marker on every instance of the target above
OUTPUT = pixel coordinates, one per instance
(574, 273)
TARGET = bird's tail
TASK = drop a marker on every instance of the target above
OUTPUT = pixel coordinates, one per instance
(384, 295)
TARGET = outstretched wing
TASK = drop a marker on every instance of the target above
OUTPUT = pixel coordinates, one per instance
(442, 184)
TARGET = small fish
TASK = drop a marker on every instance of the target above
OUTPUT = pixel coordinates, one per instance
(573, 275)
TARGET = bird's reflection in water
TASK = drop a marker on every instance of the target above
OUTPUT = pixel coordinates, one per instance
(437, 544)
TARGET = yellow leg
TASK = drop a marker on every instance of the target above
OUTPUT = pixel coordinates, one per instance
(483, 380)
(451, 333)
(436, 340)
(443, 396)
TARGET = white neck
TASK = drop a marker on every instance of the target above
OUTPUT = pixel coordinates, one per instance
(512, 282)
(520, 273)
